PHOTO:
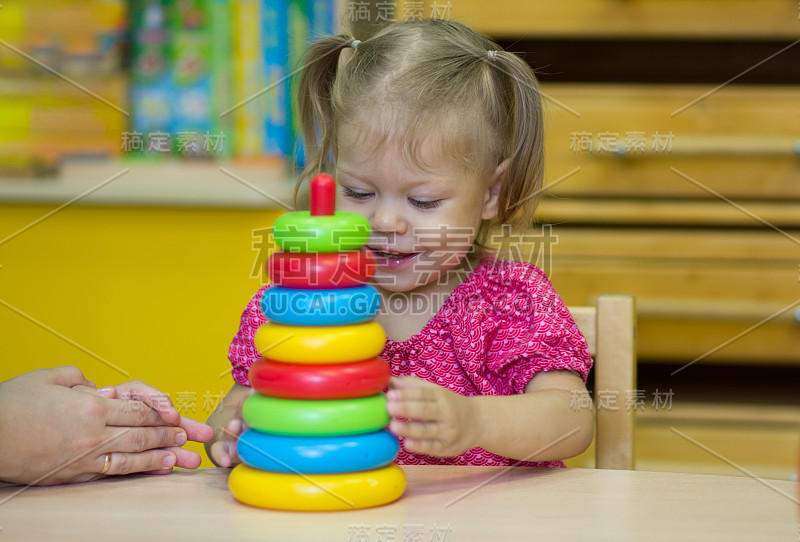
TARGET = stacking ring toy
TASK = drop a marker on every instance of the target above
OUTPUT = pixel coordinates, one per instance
(334, 307)
(317, 492)
(321, 270)
(302, 232)
(313, 344)
(317, 455)
(305, 381)
(327, 417)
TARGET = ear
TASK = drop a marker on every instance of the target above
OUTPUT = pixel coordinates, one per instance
(492, 194)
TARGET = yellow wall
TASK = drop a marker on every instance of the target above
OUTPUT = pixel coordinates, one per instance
(157, 292)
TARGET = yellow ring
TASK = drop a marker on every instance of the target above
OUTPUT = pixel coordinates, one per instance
(107, 464)
(320, 344)
(317, 492)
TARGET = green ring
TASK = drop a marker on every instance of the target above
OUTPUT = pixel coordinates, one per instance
(327, 417)
(340, 232)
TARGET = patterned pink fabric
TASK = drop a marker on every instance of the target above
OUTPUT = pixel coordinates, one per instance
(498, 329)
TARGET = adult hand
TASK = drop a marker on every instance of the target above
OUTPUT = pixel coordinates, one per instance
(142, 396)
(54, 432)
(431, 419)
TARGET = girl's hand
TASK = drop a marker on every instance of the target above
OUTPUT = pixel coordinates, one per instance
(223, 452)
(432, 420)
(228, 425)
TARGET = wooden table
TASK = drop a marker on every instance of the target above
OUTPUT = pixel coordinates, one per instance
(441, 503)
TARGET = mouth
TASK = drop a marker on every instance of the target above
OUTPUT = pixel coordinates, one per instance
(391, 257)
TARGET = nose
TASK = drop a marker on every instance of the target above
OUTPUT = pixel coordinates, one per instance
(387, 218)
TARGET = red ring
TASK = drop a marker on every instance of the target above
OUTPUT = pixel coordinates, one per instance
(333, 381)
(312, 270)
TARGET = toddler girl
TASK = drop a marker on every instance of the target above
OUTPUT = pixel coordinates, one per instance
(435, 134)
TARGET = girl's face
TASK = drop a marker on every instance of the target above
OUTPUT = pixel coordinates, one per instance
(424, 221)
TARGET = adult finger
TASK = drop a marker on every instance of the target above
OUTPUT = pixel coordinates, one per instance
(152, 397)
(68, 376)
(131, 413)
(87, 389)
(185, 459)
(139, 439)
(196, 431)
(150, 460)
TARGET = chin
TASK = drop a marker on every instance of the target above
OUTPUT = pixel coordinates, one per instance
(395, 285)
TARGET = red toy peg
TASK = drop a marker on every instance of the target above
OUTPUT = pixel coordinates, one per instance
(323, 195)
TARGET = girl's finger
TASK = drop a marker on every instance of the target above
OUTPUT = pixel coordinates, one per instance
(413, 394)
(414, 430)
(223, 453)
(422, 446)
(398, 382)
(427, 411)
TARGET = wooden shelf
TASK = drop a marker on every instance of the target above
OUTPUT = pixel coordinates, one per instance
(708, 19)
(169, 183)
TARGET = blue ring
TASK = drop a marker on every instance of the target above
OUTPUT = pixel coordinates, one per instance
(325, 307)
(317, 455)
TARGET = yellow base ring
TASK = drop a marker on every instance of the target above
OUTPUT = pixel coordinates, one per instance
(317, 492)
(320, 344)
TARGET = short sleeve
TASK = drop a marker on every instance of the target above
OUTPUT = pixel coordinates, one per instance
(243, 352)
(520, 327)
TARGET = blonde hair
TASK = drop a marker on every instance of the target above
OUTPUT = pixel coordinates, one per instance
(433, 77)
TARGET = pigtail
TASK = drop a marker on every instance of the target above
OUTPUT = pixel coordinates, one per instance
(523, 143)
(317, 69)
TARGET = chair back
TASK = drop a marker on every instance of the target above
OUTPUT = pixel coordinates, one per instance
(610, 331)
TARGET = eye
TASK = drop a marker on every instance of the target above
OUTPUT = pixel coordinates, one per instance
(356, 195)
(425, 204)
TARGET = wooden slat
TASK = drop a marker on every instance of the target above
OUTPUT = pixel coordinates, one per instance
(640, 244)
(709, 342)
(747, 294)
(766, 452)
(646, 211)
(787, 417)
(736, 179)
(642, 19)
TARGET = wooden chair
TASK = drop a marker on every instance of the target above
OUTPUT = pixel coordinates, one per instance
(610, 331)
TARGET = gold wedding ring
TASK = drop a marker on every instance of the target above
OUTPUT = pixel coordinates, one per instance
(107, 464)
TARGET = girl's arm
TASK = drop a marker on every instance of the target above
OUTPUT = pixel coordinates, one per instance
(541, 424)
(227, 424)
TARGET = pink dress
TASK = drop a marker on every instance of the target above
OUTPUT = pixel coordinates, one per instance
(498, 329)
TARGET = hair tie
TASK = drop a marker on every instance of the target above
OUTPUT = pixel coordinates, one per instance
(492, 55)
(354, 43)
